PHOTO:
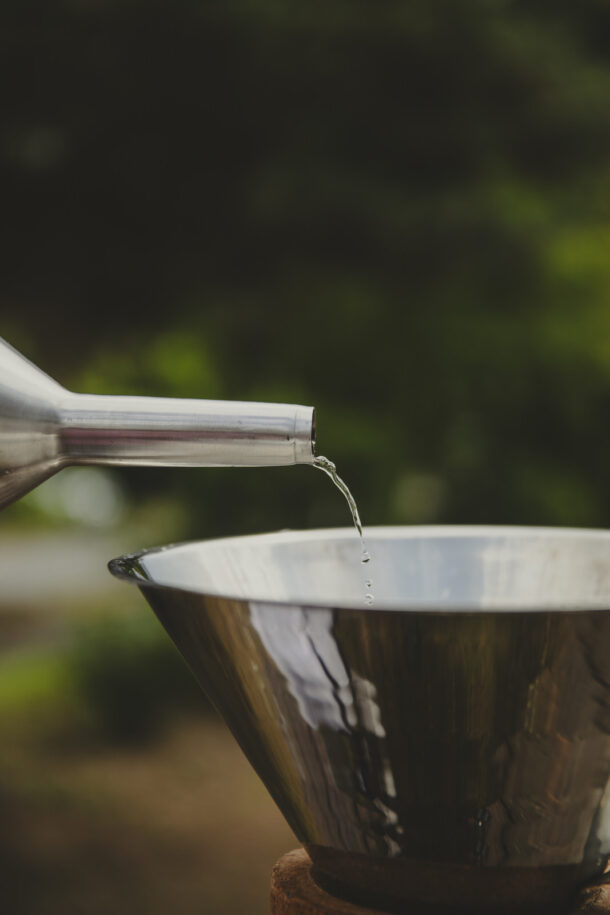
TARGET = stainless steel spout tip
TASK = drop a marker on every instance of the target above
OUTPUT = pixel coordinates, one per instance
(304, 435)
(44, 427)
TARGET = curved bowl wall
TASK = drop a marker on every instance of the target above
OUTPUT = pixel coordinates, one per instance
(450, 744)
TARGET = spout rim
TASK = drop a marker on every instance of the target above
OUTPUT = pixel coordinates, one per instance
(304, 435)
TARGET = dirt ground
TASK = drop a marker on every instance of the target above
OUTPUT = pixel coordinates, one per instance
(182, 826)
(179, 825)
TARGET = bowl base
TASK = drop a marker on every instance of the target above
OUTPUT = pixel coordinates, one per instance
(399, 885)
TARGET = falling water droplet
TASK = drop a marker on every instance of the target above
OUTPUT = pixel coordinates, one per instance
(322, 463)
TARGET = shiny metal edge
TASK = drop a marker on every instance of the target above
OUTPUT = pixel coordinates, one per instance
(130, 568)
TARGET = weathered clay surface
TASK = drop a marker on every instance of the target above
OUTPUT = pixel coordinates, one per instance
(294, 892)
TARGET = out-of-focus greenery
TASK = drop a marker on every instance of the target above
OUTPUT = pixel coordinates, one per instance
(97, 816)
(128, 678)
(116, 678)
(397, 212)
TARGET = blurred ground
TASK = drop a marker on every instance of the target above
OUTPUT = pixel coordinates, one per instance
(114, 799)
(182, 826)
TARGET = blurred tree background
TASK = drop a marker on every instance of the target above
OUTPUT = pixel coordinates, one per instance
(398, 212)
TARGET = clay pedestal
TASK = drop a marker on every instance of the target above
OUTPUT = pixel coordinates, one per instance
(293, 892)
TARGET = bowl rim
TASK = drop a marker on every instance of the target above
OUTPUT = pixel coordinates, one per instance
(131, 568)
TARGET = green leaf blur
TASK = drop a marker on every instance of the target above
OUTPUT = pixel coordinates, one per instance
(396, 213)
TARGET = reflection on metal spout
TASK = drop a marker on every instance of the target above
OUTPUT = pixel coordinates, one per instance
(192, 433)
(43, 428)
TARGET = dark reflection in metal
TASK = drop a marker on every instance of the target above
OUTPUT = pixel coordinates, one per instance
(429, 741)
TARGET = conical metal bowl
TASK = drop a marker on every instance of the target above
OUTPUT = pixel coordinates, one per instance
(449, 744)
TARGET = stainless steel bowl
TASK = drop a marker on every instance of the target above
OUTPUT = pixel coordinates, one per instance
(450, 743)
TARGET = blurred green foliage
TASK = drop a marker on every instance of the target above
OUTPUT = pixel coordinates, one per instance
(114, 678)
(128, 677)
(397, 212)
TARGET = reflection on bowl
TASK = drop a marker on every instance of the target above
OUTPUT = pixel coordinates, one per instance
(450, 744)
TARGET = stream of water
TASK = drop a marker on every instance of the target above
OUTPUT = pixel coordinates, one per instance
(322, 463)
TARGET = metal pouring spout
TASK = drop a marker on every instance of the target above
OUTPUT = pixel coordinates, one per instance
(44, 427)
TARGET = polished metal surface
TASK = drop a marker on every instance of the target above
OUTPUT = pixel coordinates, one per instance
(455, 733)
(44, 427)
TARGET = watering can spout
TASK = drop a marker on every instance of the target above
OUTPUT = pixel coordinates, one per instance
(44, 427)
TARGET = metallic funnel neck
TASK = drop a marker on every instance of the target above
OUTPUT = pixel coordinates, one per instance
(44, 427)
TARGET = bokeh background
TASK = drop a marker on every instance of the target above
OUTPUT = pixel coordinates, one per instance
(396, 212)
